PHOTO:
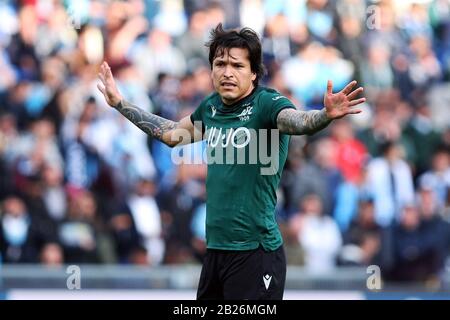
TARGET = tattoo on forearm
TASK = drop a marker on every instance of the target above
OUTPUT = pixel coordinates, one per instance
(302, 122)
(151, 124)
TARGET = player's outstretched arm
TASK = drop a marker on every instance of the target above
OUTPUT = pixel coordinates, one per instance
(170, 132)
(337, 105)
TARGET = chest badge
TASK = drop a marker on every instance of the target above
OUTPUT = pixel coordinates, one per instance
(245, 114)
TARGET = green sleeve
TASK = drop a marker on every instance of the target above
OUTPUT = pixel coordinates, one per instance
(272, 103)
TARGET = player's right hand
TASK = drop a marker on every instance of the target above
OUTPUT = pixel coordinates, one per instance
(108, 87)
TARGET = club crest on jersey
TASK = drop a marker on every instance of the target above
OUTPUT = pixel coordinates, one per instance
(245, 114)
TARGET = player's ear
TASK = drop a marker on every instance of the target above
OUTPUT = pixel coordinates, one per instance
(253, 76)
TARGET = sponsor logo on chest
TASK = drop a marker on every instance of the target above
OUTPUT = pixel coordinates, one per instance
(238, 137)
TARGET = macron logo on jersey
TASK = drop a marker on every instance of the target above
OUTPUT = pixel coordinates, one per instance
(267, 280)
(213, 110)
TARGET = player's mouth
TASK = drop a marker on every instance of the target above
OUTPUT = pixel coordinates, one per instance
(228, 85)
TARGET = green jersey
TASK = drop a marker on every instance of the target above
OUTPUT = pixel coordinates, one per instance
(245, 156)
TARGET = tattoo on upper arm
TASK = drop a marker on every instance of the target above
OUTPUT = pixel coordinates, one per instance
(151, 124)
(302, 122)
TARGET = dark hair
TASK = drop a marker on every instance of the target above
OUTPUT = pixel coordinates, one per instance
(245, 38)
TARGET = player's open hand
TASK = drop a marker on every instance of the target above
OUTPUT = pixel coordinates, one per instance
(108, 86)
(340, 104)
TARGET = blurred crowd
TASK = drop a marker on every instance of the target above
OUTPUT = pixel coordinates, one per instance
(81, 184)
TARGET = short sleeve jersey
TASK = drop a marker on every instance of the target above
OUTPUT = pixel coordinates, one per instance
(245, 156)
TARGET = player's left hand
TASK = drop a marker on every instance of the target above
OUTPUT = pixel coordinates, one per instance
(340, 104)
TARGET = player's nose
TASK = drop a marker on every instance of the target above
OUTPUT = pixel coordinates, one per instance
(227, 71)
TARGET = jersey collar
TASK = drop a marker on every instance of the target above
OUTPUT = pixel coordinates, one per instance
(237, 105)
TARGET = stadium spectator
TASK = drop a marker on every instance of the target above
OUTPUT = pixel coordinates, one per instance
(363, 239)
(318, 235)
(22, 238)
(416, 256)
(79, 233)
(147, 220)
(438, 177)
(390, 180)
